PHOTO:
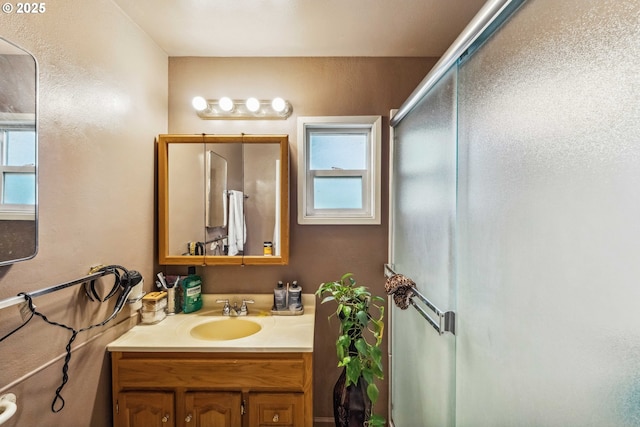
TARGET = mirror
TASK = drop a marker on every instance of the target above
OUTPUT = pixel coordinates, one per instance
(18, 154)
(223, 199)
(216, 192)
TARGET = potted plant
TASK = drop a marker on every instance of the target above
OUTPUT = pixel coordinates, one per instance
(358, 351)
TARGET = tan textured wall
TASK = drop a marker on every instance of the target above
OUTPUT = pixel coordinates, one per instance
(17, 85)
(315, 86)
(103, 97)
(260, 207)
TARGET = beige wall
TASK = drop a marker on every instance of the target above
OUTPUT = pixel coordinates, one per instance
(260, 187)
(17, 85)
(103, 97)
(315, 86)
(186, 187)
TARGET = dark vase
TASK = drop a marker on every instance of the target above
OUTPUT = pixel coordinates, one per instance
(351, 405)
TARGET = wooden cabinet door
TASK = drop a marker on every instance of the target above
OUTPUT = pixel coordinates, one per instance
(145, 409)
(213, 409)
(276, 409)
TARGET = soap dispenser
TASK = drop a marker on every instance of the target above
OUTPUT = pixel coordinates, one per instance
(280, 296)
(191, 292)
(295, 296)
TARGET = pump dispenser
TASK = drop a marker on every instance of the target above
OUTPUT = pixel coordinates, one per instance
(280, 296)
(295, 296)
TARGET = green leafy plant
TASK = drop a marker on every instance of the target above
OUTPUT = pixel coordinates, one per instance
(360, 337)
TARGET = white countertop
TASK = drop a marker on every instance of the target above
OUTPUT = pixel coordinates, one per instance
(278, 333)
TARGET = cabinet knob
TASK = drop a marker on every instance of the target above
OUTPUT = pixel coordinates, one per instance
(276, 418)
(188, 418)
(165, 418)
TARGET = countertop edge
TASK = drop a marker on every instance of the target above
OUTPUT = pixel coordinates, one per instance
(152, 339)
(130, 349)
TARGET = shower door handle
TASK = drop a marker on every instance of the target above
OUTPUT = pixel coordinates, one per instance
(446, 321)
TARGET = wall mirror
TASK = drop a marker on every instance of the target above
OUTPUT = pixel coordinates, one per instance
(222, 199)
(18, 154)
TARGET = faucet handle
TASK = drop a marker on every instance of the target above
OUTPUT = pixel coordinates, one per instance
(243, 309)
(226, 309)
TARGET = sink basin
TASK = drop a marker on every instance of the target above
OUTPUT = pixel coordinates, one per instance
(223, 330)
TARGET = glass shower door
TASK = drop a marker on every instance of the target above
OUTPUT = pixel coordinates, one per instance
(422, 248)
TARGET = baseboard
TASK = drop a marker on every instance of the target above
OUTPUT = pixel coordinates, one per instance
(320, 421)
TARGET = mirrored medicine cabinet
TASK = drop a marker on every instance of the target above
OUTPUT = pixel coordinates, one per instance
(18, 154)
(223, 199)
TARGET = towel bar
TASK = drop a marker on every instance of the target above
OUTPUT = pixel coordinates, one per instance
(446, 321)
(8, 302)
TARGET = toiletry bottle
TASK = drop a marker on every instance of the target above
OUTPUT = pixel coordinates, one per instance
(280, 296)
(267, 249)
(191, 292)
(295, 296)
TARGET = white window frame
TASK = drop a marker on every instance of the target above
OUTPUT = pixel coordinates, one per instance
(371, 177)
(15, 121)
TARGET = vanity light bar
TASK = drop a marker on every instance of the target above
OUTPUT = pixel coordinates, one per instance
(242, 109)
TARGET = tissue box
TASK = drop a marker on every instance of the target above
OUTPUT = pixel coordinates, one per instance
(154, 307)
(151, 317)
(154, 301)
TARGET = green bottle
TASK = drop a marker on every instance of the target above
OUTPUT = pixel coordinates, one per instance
(191, 292)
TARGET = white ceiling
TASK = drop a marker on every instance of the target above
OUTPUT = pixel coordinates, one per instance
(302, 27)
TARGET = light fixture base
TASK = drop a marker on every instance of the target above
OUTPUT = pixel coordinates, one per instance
(239, 111)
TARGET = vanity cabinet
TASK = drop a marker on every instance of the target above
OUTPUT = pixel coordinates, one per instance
(213, 409)
(145, 408)
(212, 389)
(276, 409)
(158, 409)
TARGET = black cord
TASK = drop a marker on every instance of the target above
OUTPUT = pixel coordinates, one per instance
(58, 401)
(65, 375)
(17, 329)
(90, 289)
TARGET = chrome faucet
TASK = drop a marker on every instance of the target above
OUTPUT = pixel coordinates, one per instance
(226, 309)
(243, 309)
(234, 311)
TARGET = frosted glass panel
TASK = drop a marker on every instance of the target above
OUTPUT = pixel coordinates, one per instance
(21, 148)
(337, 193)
(549, 219)
(422, 362)
(329, 151)
(19, 188)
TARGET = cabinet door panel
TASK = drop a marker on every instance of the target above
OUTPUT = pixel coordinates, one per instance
(213, 409)
(276, 409)
(146, 409)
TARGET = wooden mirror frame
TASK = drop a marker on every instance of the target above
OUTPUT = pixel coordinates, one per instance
(164, 258)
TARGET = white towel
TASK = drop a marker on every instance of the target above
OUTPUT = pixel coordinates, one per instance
(237, 231)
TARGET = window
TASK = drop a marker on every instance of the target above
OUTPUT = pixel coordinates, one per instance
(17, 170)
(339, 170)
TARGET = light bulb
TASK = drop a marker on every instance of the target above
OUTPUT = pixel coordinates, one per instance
(226, 104)
(253, 104)
(278, 105)
(199, 103)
